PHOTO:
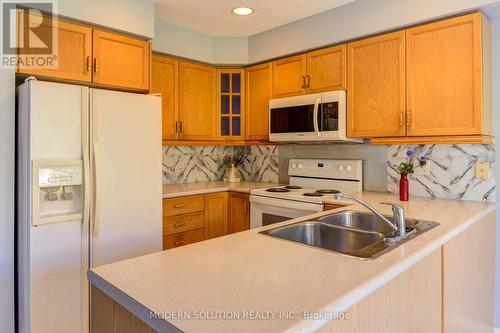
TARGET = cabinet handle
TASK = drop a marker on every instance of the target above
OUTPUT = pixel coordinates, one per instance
(176, 127)
(308, 82)
(401, 115)
(303, 82)
(179, 242)
(179, 224)
(88, 64)
(408, 120)
(181, 126)
(246, 207)
(96, 69)
(179, 206)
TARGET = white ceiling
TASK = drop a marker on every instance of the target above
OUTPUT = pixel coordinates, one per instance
(214, 17)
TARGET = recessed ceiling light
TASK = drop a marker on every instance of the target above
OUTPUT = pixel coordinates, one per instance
(242, 11)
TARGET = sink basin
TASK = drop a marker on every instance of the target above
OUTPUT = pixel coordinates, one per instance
(351, 233)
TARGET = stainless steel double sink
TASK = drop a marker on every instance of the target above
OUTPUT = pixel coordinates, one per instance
(351, 233)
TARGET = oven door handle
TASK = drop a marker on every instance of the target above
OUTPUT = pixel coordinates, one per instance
(315, 117)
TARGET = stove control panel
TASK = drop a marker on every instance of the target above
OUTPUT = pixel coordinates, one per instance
(331, 169)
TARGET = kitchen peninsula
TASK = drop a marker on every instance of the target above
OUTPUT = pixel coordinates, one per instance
(428, 284)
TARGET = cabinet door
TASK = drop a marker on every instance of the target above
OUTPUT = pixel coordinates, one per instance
(289, 76)
(444, 77)
(326, 69)
(230, 104)
(121, 61)
(164, 80)
(196, 101)
(74, 51)
(258, 94)
(376, 86)
(216, 215)
(239, 212)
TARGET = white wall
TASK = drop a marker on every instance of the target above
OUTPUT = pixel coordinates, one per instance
(7, 98)
(495, 38)
(183, 42)
(135, 16)
(360, 18)
(231, 50)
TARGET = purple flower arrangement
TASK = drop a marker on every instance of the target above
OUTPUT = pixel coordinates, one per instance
(412, 163)
(234, 160)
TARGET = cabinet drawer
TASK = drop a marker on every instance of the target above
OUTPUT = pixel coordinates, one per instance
(183, 238)
(181, 223)
(183, 205)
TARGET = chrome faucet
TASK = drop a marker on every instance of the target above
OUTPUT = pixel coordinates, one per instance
(398, 218)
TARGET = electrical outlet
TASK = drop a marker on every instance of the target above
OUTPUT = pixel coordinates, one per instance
(482, 170)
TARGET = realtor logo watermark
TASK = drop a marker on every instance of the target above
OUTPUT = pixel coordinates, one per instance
(29, 36)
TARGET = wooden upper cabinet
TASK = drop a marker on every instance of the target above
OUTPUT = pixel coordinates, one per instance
(121, 61)
(326, 69)
(74, 50)
(164, 80)
(445, 84)
(216, 214)
(376, 86)
(258, 94)
(239, 212)
(289, 76)
(230, 104)
(197, 114)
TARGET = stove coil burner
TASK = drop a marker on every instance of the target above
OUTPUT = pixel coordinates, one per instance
(313, 194)
(327, 191)
(278, 189)
(293, 187)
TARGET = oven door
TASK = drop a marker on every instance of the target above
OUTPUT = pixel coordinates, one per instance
(265, 211)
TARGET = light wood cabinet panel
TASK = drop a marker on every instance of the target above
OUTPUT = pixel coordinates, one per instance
(444, 63)
(175, 224)
(326, 69)
(74, 51)
(410, 303)
(121, 61)
(258, 94)
(289, 76)
(230, 104)
(197, 101)
(183, 205)
(216, 214)
(376, 86)
(469, 279)
(239, 212)
(164, 80)
(183, 238)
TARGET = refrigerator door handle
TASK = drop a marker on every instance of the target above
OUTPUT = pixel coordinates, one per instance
(97, 191)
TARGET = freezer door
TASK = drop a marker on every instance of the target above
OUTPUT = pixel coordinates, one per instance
(126, 164)
(52, 258)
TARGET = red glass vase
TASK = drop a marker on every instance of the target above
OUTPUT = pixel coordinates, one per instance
(403, 187)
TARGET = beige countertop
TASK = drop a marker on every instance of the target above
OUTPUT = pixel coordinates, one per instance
(181, 190)
(246, 272)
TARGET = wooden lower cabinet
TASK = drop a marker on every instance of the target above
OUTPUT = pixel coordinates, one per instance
(183, 238)
(331, 206)
(239, 212)
(216, 217)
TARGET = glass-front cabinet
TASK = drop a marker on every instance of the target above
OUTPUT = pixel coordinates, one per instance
(230, 92)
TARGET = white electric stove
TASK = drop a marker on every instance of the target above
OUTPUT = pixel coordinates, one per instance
(311, 181)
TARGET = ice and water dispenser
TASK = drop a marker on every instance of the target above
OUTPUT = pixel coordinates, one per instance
(57, 191)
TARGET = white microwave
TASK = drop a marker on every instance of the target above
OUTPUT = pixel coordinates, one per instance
(314, 117)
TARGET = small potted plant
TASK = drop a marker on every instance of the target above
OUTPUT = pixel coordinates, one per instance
(231, 164)
(408, 167)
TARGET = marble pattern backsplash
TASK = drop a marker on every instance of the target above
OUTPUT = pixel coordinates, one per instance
(188, 164)
(451, 171)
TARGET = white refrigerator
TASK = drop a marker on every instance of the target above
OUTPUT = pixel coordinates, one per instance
(89, 193)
